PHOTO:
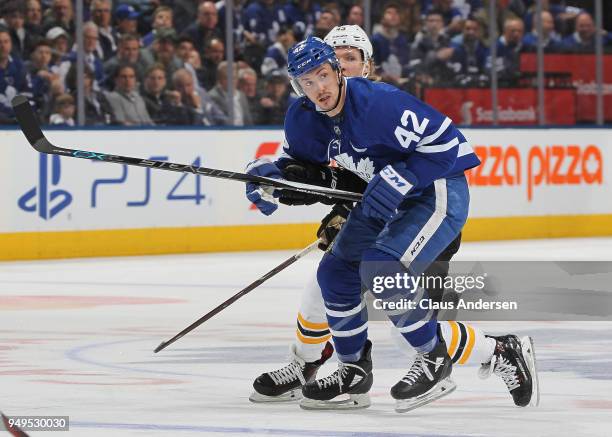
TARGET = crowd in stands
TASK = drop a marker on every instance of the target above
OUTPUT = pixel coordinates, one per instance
(162, 62)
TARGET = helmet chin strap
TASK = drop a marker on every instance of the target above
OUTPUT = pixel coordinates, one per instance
(340, 85)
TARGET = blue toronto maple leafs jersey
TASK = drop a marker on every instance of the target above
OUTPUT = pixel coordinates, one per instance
(379, 125)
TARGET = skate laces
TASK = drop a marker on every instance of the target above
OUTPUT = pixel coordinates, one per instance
(293, 370)
(486, 369)
(335, 377)
(417, 369)
(507, 372)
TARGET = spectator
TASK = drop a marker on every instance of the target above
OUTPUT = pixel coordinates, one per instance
(431, 50)
(127, 104)
(209, 114)
(184, 48)
(194, 62)
(214, 52)
(189, 57)
(107, 41)
(64, 111)
(334, 8)
(23, 40)
(33, 18)
(302, 16)
(276, 100)
(98, 111)
(164, 106)
(237, 8)
(90, 44)
(12, 77)
(128, 52)
(183, 12)
(60, 14)
(505, 10)
(509, 47)
(551, 41)
(242, 112)
(126, 18)
(60, 41)
(391, 48)
(262, 19)
(583, 39)
(467, 8)
(205, 27)
(162, 19)
(40, 76)
(163, 51)
(276, 55)
(469, 56)
(410, 18)
(247, 84)
(453, 21)
(326, 22)
(355, 16)
(563, 16)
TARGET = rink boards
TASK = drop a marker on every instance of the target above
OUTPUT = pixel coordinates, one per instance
(533, 183)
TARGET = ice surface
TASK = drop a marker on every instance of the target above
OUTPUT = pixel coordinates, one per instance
(76, 339)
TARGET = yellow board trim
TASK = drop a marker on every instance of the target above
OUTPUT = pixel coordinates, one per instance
(155, 241)
(525, 228)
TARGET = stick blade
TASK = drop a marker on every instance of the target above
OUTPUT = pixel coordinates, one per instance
(161, 346)
(28, 122)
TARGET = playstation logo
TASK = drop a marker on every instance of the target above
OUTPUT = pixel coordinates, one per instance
(41, 198)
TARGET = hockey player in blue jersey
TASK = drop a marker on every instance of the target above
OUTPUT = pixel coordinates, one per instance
(415, 204)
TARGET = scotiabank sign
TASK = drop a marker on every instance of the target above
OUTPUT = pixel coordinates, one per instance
(582, 69)
(536, 166)
(472, 106)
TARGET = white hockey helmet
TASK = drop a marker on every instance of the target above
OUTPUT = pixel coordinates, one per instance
(352, 36)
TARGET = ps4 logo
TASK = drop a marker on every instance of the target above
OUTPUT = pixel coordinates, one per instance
(42, 198)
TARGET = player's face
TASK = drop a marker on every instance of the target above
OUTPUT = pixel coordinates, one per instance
(351, 61)
(321, 86)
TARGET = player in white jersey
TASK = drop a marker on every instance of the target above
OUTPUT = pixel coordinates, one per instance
(466, 343)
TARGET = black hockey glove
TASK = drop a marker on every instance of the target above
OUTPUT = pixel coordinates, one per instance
(322, 176)
(332, 223)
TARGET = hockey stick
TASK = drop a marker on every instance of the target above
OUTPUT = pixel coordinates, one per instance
(282, 266)
(31, 129)
(7, 425)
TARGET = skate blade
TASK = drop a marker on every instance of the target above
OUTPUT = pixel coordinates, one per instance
(443, 388)
(528, 351)
(354, 402)
(290, 396)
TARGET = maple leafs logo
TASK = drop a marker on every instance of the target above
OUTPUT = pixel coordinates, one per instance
(364, 168)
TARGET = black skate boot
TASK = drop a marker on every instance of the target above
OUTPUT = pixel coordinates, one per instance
(284, 385)
(427, 380)
(514, 362)
(345, 389)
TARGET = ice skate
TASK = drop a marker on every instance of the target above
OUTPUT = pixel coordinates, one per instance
(427, 380)
(514, 362)
(284, 384)
(345, 389)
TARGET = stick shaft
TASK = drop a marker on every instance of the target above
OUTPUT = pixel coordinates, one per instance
(279, 268)
(31, 129)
